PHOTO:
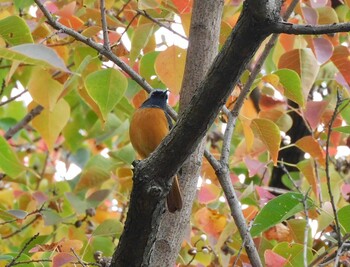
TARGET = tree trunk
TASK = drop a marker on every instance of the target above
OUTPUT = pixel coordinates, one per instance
(202, 49)
(152, 176)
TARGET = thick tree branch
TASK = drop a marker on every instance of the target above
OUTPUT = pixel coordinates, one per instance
(202, 48)
(290, 28)
(152, 176)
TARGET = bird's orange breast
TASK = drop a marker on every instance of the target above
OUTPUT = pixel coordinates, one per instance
(148, 127)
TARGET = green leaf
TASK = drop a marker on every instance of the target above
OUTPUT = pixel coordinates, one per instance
(22, 257)
(15, 31)
(97, 197)
(78, 204)
(344, 218)
(9, 163)
(110, 227)
(292, 85)
(51, 217)
(147, 70)
(343, 129)
(6, 257)
(21, 4)
(35, 54)
(278, 210)
(96, 171)
(106, 88)
(293, 252)
(126, 154)
(140, 38)
(297, 227)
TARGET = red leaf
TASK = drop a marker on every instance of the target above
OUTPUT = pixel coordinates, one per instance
(208, 193)
(314, 111)
(323, 49)
(254, 166)
(341, 59)
(61, 259)
(183, 6)
(272, 259)
(310, 15)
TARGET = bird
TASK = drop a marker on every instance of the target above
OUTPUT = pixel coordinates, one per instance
(149, 125)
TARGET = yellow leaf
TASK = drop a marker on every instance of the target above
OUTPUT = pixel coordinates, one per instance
(169, 66)
(272, 79)
(44, 90)
(50, 123)
(269, 133)
(248, 134)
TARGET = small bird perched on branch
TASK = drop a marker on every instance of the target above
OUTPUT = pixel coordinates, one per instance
(148, 127)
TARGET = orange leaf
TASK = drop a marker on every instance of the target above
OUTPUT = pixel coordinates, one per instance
(248, 133)
(279, 232)
(310, 145)
(269, 133)
(169, 66)
(341, 59)
(210, 221)
(304, 63)
(66, 10)
(67, 245)
(72, 22)
(139, 98)
(183, 6)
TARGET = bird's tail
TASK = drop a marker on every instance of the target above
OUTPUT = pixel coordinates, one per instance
(174, 199)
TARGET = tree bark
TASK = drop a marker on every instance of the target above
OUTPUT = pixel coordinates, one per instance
(152, 176)
(202, 49)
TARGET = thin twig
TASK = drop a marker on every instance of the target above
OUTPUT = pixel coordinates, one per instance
(320, 197)
(304, 201)
(122, 9)
(242, 246)
(13, 98)
(106, 44)
(328, 177)
(78, 258)
(45, 165)
(125, 29)
(339, 252)
(144, 13)
(222, 171)
(22, 228)
(22, 250)
(20, 125)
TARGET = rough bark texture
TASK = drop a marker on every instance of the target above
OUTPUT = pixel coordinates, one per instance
(202, 49)
(152, 176)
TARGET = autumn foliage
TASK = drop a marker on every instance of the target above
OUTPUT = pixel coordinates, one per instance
(66, 172)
